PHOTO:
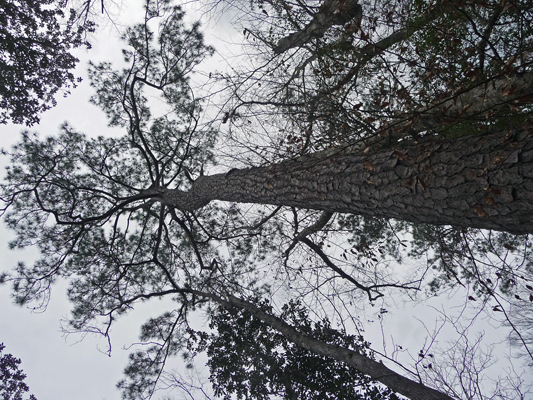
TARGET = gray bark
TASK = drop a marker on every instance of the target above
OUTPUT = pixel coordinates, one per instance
(365, 365)
(483, 181)
(332, 12)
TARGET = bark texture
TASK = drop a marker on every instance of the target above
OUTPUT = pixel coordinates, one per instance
(483, 181)
(332, 12)
(365, 365)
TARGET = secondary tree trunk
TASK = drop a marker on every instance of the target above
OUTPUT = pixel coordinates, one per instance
(365, 365)
(483, 181)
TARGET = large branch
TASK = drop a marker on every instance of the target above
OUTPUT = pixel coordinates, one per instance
(372, 50)
(316, 227)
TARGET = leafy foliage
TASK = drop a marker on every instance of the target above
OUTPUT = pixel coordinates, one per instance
(98, 191)
(12, 386)
(36, 38)
(166, 335)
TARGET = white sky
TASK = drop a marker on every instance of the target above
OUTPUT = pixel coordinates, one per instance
(64, 368)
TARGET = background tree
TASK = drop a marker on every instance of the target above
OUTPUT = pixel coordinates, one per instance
(249, 359)
(394, 76)
(12, 386)
(35, 57)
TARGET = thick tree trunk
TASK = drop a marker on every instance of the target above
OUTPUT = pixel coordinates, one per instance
(365, 365)
(483, 181)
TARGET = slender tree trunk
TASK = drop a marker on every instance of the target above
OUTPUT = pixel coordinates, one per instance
(365, 365)
(483, 181)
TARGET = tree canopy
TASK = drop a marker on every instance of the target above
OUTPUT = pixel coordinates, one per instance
(12, 386)
(36, 60)
(313, 181)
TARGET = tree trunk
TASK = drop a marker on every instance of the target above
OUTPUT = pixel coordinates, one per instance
(332, 12)
(483, 181)
(365, 365)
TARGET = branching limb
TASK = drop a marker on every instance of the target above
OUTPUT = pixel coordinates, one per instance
(371, 296)
(316, 227)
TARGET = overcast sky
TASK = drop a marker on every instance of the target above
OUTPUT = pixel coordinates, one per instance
(67, 368)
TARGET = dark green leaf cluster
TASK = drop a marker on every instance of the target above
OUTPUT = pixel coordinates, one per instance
(36, 38)
(12, 386)
(250, 360)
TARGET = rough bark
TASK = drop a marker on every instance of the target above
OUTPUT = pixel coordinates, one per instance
(482, 181)
(365, 365)
(332, 12)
